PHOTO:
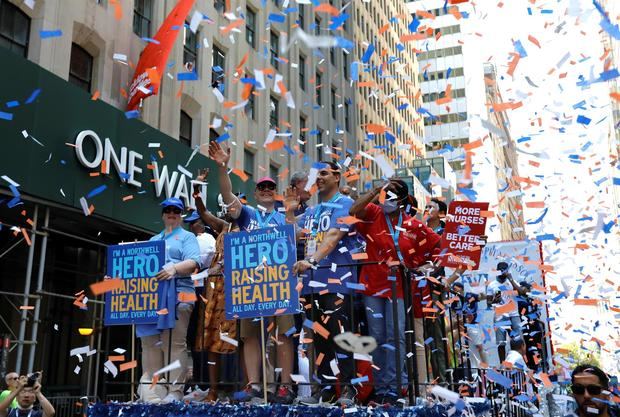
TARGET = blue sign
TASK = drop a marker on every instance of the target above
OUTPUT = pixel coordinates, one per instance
(258, 268)
(137, 300)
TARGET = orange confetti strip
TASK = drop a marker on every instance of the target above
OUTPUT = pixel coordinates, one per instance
(118, 10)
(326, 8)
(106, 286)
(26, 307)
(533, 40)
(348, 220)
(615, 96)
(454, 11)
(187, 297)
(512, 66)
(127, 365)
(535, 204)
(505, 308)
(26, 237)
(116, 358)
(317, 327)
(233, 25)
(585, 301)
(423, 14)
(275, 145)
(96, 95)
(359, 256)
(162, 312)
(472, 145)
(375, 128)
(128, 197)
(242, 175)
(487, 213)
(500, 107)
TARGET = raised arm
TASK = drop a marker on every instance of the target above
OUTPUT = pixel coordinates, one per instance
(358, 209)
(221, 158)
(210, 220)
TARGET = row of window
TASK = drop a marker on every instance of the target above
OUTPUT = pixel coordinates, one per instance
(440, 53)
(430, 97)
(440, 75)
(445, 118)
(448, 30)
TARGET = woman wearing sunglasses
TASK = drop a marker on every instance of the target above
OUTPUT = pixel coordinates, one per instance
(590, 387)
(176, 291)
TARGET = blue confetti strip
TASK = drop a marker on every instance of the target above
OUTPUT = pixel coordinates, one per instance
(96, 191)
(33, 96)
(548, 236)
(187, 76)
(276, 18)
(132, 114)
(50, 33)
(583, 120)
(499, 379)
(11, 104)
(222, 138)
(368, 53)
(6, 116)
(338, 21)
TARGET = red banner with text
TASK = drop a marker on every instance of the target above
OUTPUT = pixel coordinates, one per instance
(460, 242)
(150, 68)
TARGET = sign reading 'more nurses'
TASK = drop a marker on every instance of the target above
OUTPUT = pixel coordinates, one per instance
(136, 300)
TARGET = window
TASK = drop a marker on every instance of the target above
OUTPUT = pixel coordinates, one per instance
(218, 68)
(332, 56)
(333, 102)
(347, 122)
(248, 162)
(219, 5)
(302, 134)
(190, 49)
(14, 28)
(318, 89)
(345, 65)
(273, 112)
(302, 72)
(273, 47)
(250, 27)
(302, 16)
(142, 16)
(319, 139)
(213, 135)
(273, 172)
(185, 129)
(250, 108)
(81, 67)
(317, 26)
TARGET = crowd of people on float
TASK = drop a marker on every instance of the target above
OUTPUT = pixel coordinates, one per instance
(336, 291)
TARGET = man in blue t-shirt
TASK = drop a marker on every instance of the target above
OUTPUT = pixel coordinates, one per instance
(328, 273)
(249, 218)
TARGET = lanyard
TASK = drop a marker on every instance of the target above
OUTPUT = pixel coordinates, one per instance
(262, 221)
(396, 235)
(317, 214)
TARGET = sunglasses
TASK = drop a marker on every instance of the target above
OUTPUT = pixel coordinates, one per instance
(15, 378)
(581, 389)
(265, 186)
(174, 210)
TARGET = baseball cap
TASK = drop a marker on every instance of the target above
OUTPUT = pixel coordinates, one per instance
(193, 216)
(502, 266)
(173, 202)
(266, 179)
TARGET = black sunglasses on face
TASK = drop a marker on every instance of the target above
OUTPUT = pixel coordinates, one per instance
(174, 210)
(265, 186)
(581, 389)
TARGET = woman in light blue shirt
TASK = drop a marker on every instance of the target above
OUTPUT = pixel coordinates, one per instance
(176, 295)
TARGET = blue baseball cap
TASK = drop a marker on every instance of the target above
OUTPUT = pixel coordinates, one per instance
(193, 216)
(173, 202)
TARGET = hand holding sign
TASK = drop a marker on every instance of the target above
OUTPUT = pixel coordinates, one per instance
(301, 266)
(168, 271)
(465, 226)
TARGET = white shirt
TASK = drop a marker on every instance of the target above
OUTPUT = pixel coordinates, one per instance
(206, 243)
(516, 359)
(496, 286)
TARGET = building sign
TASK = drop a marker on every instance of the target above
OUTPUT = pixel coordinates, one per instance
(136, 301)
(258, 268)
(66, 149)
(465, 223)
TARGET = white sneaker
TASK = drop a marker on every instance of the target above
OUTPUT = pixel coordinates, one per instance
(197, 395)
(172, 397)
(151, 395)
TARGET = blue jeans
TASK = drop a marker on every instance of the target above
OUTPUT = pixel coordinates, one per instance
(515, 325)
(381, 326)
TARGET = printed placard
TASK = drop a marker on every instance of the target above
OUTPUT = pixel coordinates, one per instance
(465, 223)
(258, 268)
(135, 302)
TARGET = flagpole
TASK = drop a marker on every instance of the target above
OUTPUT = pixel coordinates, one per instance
(262, 340)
